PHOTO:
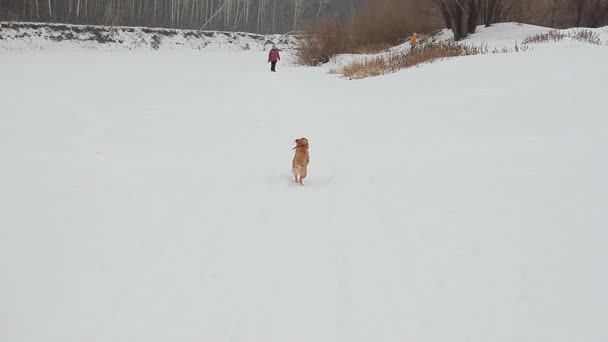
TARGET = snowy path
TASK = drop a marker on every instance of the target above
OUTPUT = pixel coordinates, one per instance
(147, 197)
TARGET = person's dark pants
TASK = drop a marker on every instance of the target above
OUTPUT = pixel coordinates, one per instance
(273, 66)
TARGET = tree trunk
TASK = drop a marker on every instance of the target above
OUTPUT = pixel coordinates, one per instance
(553, 14)
(455, 28)
(37, 13)
(473, 16)
(445, 15)
(580, 6)
(463, 16)
(489, 12)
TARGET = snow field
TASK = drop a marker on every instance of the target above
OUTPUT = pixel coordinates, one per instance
(148, 197)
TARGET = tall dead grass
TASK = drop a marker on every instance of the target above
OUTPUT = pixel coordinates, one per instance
(380, 65)
(583, 35)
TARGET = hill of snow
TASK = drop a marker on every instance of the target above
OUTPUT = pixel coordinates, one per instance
(507, 35)
(37, 36)
(148, 197)
(501, 37)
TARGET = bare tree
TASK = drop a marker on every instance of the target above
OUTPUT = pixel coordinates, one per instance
(322, 4)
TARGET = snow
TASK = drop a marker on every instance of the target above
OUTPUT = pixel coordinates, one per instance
(48, 36)
(148, 197)
(507, 35)
(503, 35)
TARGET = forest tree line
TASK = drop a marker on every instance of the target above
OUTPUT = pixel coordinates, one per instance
(372, 17)
(261, 16)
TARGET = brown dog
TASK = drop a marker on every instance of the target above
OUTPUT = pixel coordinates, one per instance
(300, 160)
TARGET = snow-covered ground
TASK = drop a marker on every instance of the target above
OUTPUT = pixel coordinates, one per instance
(508, 35)
(147, 196)
(501, 37)
(47, 36)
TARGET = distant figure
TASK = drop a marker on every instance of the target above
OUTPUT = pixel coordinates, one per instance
(273, 58)
(413, 41)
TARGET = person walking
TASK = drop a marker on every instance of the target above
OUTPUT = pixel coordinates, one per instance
(273, 58)
(413, 41)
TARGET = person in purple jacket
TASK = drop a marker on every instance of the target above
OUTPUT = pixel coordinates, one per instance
(273, 58)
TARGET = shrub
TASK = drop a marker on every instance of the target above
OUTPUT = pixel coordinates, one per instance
(321, 42)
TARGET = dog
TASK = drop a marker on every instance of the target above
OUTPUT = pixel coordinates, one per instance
(299, 166)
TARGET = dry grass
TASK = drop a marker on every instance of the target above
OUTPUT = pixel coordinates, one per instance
(380, 65)
(583, 35)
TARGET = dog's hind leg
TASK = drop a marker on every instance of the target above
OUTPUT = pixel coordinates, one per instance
(302, 176)
(295, 174)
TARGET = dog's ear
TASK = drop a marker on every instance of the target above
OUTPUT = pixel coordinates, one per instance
(297, 141)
